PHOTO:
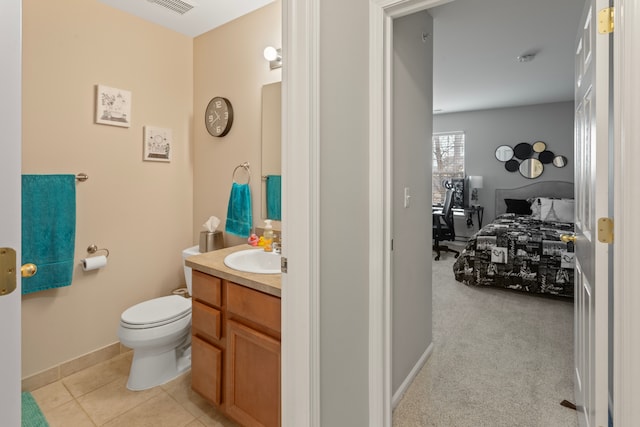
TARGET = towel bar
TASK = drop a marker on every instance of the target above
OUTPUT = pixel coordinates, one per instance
(82, 177)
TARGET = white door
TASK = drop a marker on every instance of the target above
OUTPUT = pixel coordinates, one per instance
(10, 145)
(592, 202)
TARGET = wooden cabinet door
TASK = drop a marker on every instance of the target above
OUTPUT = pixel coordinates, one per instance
(252, 390)
(206, 370)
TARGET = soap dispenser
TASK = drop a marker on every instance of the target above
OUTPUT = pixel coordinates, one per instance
(268, 236)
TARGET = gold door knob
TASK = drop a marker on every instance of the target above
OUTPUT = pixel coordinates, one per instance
(568, 238)
(28, 270)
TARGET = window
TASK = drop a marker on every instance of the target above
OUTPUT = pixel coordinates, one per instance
(448, 161)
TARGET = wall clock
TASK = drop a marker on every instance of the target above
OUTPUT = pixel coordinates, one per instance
(218, 116)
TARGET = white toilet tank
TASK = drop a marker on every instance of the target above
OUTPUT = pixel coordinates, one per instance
(193, 250)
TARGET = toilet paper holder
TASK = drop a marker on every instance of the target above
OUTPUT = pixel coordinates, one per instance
(92, 249)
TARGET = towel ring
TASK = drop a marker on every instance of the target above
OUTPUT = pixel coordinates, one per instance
(244, 166)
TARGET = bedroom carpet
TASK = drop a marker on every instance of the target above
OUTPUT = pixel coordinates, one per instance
(500, 358)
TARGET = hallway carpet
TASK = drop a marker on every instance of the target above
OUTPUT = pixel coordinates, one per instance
(500, 358)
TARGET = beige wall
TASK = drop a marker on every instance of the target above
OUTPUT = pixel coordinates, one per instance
(141, 211)
(228, 62)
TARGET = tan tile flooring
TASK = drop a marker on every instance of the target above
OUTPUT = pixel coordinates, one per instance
(97, 396)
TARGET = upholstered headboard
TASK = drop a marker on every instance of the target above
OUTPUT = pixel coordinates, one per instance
(556, 189)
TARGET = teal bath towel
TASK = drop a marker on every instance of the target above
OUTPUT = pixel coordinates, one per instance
(274, 188)
(239, 217)
(48, 230)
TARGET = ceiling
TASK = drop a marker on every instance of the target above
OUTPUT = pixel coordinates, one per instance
(476, 45)
(204, 16)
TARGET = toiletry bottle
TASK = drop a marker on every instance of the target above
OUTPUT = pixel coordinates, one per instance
(268, 235)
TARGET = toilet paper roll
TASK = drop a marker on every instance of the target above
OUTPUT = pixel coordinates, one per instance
(94, 263)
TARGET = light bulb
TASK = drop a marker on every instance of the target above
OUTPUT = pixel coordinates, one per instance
(270, 53)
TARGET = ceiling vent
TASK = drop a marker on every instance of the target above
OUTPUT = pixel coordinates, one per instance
(178, 6)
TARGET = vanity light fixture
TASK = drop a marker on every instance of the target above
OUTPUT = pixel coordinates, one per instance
(274, 56)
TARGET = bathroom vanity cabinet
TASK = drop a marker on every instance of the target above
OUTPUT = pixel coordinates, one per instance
(235, 352)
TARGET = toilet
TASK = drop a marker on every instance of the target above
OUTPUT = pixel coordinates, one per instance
(159, 332)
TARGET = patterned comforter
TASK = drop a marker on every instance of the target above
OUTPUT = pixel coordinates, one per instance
(518, 252)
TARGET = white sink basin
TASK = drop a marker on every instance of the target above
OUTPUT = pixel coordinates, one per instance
(254, 261)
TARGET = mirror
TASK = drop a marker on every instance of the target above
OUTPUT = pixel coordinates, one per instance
(504, 153)
(546, 157)
(512, 165)
(560, 161)
(271, 139)
(539, 146)
(531, 168)
(523, 150)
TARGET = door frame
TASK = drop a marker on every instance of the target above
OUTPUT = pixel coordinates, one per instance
(300, 214)
(626, 347)
(10, 167)
(626, 295)
(381, 16)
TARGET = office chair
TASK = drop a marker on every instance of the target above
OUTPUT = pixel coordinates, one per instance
(443, 228)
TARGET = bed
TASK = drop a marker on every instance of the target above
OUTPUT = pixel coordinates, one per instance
(521, 249)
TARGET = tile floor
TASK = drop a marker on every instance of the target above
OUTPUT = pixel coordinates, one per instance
(97, 396)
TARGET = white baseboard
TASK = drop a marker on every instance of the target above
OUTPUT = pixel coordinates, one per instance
(397, 396)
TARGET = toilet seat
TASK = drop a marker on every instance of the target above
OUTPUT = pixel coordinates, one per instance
(156, 312)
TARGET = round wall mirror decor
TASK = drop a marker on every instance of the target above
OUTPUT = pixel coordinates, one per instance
(528, 158)
(560, 161)
(504, 153)
(531, 168)
(546, 157)
(512, 165)
(523, 150)
(539, 146)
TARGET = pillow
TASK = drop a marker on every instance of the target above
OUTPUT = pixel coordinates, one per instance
(561, 210)
(518, 206)
(536, 207)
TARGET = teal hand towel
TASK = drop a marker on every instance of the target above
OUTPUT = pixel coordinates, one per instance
(239, 217)
(274, 198)
(48, 230)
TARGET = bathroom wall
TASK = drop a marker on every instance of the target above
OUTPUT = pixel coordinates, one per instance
(228, 62)
(141, 211)
(485, 130)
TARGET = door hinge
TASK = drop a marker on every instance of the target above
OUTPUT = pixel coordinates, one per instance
(605, 230)
(605, 21)
(283, 264)
(7, 271)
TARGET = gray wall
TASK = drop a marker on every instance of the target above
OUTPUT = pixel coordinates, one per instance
(485, 130)
(411, 269)
(344, 211)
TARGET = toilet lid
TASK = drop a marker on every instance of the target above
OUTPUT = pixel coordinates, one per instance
(158, 310)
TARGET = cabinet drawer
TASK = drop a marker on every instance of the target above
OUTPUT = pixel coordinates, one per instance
(206, 360)
(254, 305)
(206, 288)
(206, 320)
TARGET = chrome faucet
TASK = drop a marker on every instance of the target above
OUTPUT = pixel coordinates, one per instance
(276, 246)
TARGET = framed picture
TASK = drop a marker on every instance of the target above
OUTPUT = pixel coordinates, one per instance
(157, 144)
(113, 106)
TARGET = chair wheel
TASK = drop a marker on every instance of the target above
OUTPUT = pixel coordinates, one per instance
(437, 257)
(457, 255)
